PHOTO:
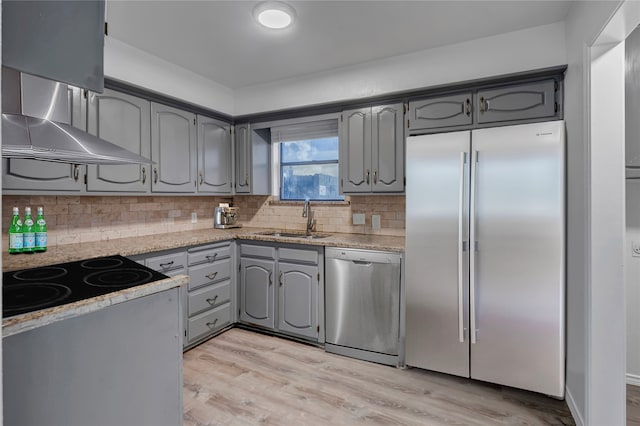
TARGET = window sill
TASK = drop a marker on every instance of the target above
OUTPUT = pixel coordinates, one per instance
(333, 203)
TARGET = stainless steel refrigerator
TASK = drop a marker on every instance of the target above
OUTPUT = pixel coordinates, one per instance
(485, 255)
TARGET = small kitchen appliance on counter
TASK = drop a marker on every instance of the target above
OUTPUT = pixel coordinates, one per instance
(226, 217)
(33, 289)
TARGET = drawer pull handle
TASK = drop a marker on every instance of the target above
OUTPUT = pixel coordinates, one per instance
(212, 276)
(212, 324)
(212, 301)
(211, 258)
(280, 279)
(166, 265)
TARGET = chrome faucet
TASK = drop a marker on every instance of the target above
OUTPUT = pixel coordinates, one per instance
(306, 212)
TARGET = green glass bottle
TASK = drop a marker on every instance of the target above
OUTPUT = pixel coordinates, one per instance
(28, 232)
(15, 233)
(40, 229)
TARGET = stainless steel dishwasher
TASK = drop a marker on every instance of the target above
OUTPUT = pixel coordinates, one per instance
(362, 304)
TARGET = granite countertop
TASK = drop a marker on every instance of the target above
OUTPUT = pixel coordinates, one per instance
(31, 320)
(152, 243)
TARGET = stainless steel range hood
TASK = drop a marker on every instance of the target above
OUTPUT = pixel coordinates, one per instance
(35, 125)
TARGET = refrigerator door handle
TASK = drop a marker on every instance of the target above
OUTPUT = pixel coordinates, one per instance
(463, 156)
(473, 248)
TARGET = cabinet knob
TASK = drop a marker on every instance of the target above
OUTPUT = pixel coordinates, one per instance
(201, 178)
(375, 177)
(467, 106)
(270, 277)
(155, 175)
(212, 301)
(212, 275)
(368, 173)
(76, 172)
(144, 175)
(280, 279)
(211, 258)
(166, 265)
(212, 324)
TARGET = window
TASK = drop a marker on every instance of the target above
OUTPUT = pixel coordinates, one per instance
(309, 169)
(308, 155)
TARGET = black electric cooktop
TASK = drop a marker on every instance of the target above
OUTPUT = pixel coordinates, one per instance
(30, 290)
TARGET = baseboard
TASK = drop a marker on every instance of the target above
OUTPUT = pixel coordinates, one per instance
(633, 379)
(577, 416)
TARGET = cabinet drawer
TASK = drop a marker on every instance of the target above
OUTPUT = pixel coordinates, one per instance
(297, 255)
(209, 321)
(168, 262)
(208, 297)
(209, 254)
(443, 111)
(208, 273)
(257, 251)
(517, 102)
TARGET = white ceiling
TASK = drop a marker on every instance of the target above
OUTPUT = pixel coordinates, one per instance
(221, 41)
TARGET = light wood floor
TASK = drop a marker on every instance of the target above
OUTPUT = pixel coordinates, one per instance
(633, 405)
(245, 378)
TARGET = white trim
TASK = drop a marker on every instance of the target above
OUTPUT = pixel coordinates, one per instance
(633, 379)
(575, 412)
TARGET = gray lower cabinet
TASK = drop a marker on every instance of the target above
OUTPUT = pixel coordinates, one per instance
(209, 298)
(280, 288)
(173, 149)
(210, 290)
(215, 156)
(123, 120)
(517, 102)
(372, 149)
(298, 299)
(442, 111)
(35, 175)
(257, 291)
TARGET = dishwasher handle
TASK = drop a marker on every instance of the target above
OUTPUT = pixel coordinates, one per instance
(362, 256)
(362, 262)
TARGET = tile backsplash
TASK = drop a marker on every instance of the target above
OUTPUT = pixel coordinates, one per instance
(75, 219)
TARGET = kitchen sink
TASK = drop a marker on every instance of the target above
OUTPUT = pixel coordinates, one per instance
(293, 235)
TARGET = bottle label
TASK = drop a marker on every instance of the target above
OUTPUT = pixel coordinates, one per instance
(15, 241)
(41, 239)
(41, 222)
(28, 222)
(29, 240)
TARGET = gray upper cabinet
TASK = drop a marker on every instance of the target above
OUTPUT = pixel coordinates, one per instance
(517, 102)
(355, 147)
(243, 159)
(372, 149)
(253, 160)
(36, 175)
(387, 148)
(298, 299)
(443, 111)
(173, 149)
(125, 121)
(215, 156)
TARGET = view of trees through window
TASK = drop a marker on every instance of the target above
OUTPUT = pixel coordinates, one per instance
(309, 169)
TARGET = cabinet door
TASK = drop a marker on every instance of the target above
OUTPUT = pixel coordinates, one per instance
(23, 174)
(173, 148)
(125, 121)
(298, 299)
(257, 292)
(443, 111)
(517, 102)
(243, 159)
(355, 150)
(215, 166)
(387, 148)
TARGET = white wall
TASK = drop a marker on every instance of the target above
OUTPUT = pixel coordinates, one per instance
(595, 341)
(632, 281)
(523, 50)
(128, 64)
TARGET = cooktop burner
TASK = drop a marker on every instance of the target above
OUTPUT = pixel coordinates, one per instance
(38, 288)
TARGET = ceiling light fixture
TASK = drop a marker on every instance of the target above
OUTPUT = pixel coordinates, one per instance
(274, 14)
